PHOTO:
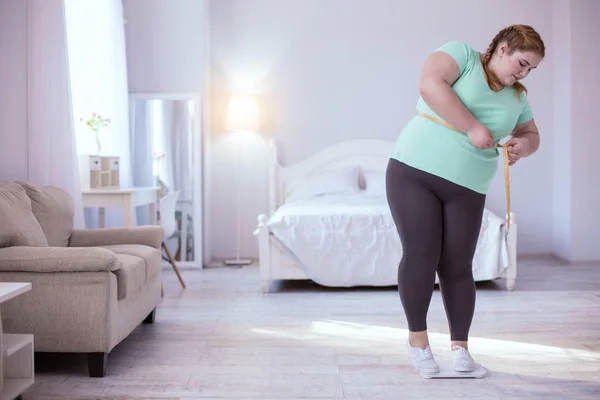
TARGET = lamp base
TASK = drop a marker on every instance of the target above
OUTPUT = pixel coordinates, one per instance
(238, 261)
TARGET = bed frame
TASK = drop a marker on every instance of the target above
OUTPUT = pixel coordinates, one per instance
(276, 263)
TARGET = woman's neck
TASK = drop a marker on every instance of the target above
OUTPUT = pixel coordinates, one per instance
(493, 81)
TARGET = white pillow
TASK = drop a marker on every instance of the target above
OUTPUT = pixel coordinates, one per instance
(333, 181)
(375, 184)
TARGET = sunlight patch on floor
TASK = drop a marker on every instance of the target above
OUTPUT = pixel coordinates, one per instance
(376, 338)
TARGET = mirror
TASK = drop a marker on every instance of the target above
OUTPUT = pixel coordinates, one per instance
(165, 152)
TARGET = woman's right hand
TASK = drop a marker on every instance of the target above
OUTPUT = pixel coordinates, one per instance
(480, 136)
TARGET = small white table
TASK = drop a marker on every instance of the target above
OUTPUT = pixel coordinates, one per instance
(17, 370)
(127, 199)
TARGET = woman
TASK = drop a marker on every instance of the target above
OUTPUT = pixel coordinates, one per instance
(437, 177)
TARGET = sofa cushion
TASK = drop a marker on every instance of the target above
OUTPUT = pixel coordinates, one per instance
(19, 226)
(131, 276)
(54, 210)
(150, 255)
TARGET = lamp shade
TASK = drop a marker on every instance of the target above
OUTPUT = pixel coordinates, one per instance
(242, 114)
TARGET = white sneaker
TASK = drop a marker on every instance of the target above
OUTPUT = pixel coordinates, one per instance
(463, 362)
(423, 359)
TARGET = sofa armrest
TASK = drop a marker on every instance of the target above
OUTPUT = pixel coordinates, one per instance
(57, 259)
(151, 235)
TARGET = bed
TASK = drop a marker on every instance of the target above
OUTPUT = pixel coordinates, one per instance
(328, 221)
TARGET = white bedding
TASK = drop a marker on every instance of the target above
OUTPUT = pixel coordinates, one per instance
(351, 240)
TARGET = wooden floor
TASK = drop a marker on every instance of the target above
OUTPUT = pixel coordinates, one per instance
(222, 339)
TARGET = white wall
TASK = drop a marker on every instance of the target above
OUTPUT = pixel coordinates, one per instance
(165, 45)
(583, 55)
(334, 70)
(13, 92)
(576, 192)
(561, 171)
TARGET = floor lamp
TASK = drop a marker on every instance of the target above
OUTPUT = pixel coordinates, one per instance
(242, 116)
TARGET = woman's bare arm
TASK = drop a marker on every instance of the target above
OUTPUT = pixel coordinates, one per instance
(531, 135)
(439, 73)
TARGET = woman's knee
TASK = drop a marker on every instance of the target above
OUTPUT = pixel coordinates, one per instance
(417, 265)
(456, 269)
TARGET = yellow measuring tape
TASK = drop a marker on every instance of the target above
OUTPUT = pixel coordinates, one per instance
(506, 166)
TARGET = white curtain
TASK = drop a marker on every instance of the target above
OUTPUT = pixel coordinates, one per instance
(140, 132)
(181, 154)
(98, 69)
(162, 121)
(172, 127)
(51, 138)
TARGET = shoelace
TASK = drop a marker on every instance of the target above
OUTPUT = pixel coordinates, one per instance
(463, 352)
(425, 354)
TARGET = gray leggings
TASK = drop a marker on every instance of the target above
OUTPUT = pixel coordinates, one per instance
(438, 223)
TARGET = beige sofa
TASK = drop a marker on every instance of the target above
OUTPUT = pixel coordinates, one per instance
(90, 288)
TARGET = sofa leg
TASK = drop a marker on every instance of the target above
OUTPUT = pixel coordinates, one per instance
(97, 364)
(150, 318)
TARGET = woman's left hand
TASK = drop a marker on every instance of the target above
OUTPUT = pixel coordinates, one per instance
(517, 149)
(523, 142)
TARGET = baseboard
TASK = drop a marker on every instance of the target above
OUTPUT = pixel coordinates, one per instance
(575, 263)
(217, 262)
(238, 261)
(536, 257)
(554, 258)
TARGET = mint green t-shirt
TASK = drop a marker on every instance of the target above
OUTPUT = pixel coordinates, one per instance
(433, 148)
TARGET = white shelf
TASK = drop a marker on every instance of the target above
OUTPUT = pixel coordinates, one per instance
(8, 290)
(14, 387)
(99, 172)
(11, 342)
(17, 370)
